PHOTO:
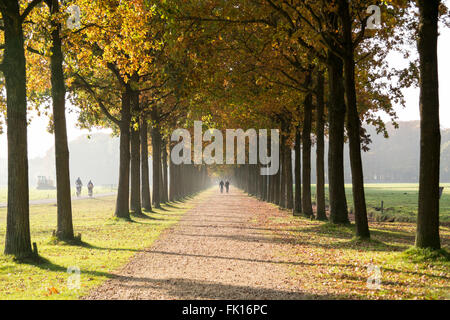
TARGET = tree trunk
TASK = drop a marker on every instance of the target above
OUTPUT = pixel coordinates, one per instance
(145, 184)
(336, 113)
(161, 170)
(18, 240)
(135, 197)
(427, 235)
(64, 229)
(320, 149)
(172, 177)
(283, 173)
(306, 156)
(277, 180)
(156, 155)
(123, 192)
(353, 127)
(165, 193)
(298, 178)
(288, 166)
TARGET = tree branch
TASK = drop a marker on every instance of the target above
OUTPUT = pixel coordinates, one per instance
(28, 10)
(88, 88)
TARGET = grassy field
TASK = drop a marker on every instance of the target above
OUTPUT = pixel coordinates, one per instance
(400, 201)
(51, 194)
(108, 244)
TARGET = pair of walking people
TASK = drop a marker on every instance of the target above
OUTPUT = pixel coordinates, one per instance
(226, 184)
(79, 185)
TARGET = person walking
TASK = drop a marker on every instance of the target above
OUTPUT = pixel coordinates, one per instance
(227, 185)
(79, 185)
(90, 187)
(221, 186)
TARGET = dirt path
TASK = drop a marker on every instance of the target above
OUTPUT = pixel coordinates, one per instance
(215, 252)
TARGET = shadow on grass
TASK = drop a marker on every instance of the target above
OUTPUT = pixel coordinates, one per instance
(94, 247)
(174, 205)
(47, 265)
(347, 232)
(144, 216)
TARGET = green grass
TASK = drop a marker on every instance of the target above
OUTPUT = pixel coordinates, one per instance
(107, 245)
(51, 194)
(400, 201)
(419, 255)
(330, 262)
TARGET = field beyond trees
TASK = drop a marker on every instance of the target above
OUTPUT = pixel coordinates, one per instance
(399, 201)
(36, 194)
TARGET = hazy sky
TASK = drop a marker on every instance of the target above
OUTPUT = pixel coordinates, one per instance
(39, 140)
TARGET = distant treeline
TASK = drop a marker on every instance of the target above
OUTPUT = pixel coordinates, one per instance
(389, 160)
(395, 159)
(95, 158)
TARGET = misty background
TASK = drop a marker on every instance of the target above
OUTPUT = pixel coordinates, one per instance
(96, 157)
(92, 157)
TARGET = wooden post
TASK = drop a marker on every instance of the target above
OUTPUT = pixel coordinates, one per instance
(35, 249)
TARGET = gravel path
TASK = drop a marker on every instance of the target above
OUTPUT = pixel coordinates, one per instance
(216, 251)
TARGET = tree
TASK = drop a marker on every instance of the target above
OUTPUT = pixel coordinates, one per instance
(427, 235)
(297, 167)
(135, 149)
(145, 185)
(64, 229)
(353, 120)
(13, 66)
(306, 152)
(320, 148)
(108, 50)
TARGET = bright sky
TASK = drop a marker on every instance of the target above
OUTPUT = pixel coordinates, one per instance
(39, 140)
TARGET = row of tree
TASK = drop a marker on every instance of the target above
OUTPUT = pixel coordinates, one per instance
(145, 68)
(45, 58)
(288, 64)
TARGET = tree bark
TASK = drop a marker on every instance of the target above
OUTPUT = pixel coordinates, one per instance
(165, 193)
(306, 156)
(336, 114)
(18, 239)
(123, 192)
(289, 186)
(320, 150)
(64, 229)
(353, 126)
(277, 180)
(282, 202)
(145, 175)
(135, 197)
(298, 177)
(427, 234)
(172, 177)
(161, 169)
(156, 155)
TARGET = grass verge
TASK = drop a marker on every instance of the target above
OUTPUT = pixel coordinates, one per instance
(106, 245)
(325, 260)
